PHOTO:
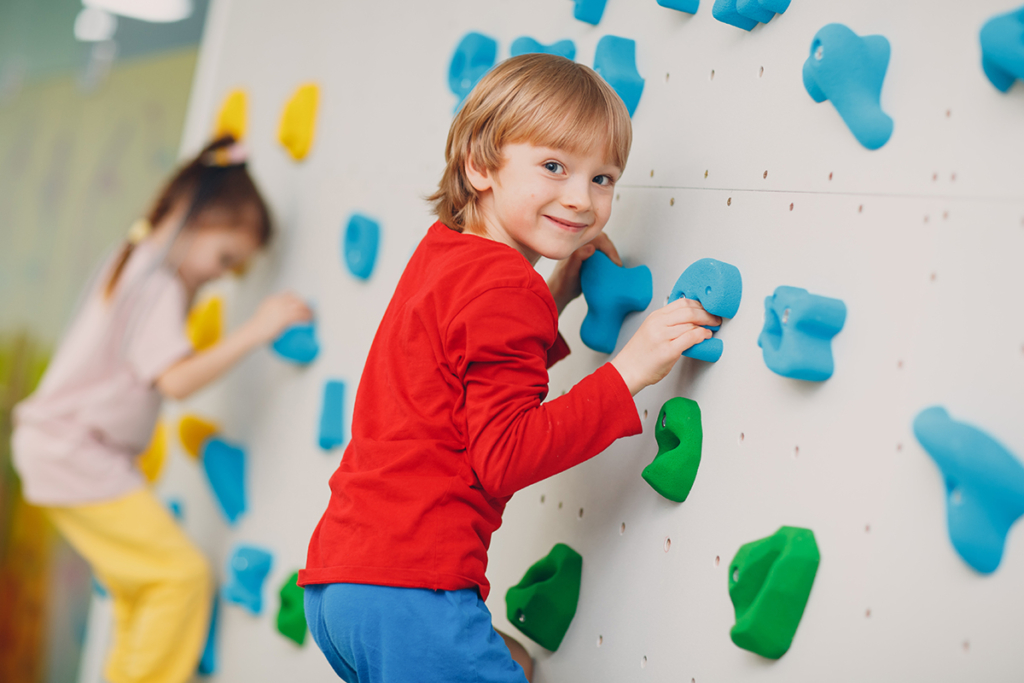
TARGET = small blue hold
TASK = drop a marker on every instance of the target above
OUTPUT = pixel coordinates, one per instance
(611, 292)
(224, 464)
(589, 11)
(99, 588)
(332, 415)
(726, 12)
(527, 46)
(797, 334)
(688, 6)
(473, 58)
(984, 486)
(615, 60)
(298, 344)
(849, 70)
(361, 238)
(177, 508)
(718, 287)
(1002, 49)
(247, 569)
(208, 661)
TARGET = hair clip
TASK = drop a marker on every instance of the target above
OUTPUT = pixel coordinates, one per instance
(139, 231)
(234, 154)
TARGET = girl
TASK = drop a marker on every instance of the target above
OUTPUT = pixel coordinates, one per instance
(77, 436)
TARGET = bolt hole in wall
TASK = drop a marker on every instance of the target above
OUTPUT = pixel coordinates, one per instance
(668, 544)
(645, 414)
(796, 452)
(718, 560)
(712, 75)
(542, 498)
(728, 202)
(643, 662)
(581, 513)
(600, 641)
(742, 436)
(622, 529)
(791, 206)
(760, 72)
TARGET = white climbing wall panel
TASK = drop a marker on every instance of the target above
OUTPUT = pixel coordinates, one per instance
(731, 159)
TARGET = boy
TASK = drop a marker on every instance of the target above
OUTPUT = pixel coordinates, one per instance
(449, 420)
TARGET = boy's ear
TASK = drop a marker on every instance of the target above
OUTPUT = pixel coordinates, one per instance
(481, 180)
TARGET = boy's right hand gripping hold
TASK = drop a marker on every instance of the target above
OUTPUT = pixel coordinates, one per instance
(656, 347)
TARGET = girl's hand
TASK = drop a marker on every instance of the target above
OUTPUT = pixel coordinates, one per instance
(564, 282)
(652, 352)
(277, 313)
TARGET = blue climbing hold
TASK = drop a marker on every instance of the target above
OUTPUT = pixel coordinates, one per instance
(362, 235)
(611, 292)
(1002, 49)
(615, 60)
(589, 11)
(177, 508)
(208, 660)
(527, 46)
(984, 485)
(848, 70)
(718, 287)
(797, 334)
(688, 6)
(224, 464)
(298, 344)
(99, 588)
(332, 415)
(473, 58)
(247, 569)
(726, 12)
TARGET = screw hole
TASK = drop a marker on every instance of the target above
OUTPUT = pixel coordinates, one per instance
(796, 451)
(559, 505)
(600, 641)
(718, 560)
(766, 175)
(791, 206)
(933, 276)
(712, 75)
(899, 365)
(652, 172)
(760, 72)
(645, 413)
(830, 175)
(643, 662)
(899, 448)
(742, 436)
(926, 218)
(672, 201)
(581, 513)
(967, 646)
(666, 78)
(860, 209)
(668, 543)
(735, 575)
(867, 613)
(706, 175)
(542, 498)
(952, 176)
(949, 113)
(867, 528)
(622, 529)
(728, 202)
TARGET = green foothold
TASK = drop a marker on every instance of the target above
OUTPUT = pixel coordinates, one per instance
(543, 604)
(679, 437)
(291, 618)
(769, 583)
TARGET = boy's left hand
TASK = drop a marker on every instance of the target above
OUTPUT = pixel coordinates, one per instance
(564, 282)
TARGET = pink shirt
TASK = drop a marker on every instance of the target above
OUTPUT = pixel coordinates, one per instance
(76, 438)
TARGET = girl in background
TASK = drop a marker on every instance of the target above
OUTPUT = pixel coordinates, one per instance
(76, 438)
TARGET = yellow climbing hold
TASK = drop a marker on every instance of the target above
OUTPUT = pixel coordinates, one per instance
(233, 116)
(151, 461)
(298, 121)
(193, 431)
(205, 323)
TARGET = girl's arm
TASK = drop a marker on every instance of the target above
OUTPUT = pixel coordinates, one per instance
(273, 317)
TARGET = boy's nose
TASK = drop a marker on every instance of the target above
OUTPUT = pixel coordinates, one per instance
(576, 197)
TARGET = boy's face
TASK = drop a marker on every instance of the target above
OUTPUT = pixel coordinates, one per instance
(545, 202)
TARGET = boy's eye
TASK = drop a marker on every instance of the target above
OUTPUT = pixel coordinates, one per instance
(553, 166)
(604, 180)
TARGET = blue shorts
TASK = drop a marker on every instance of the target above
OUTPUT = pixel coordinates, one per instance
(381, 634)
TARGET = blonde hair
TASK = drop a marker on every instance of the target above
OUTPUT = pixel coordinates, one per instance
(541, 99)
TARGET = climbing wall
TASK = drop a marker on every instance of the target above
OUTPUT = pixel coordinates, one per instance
(732, 160)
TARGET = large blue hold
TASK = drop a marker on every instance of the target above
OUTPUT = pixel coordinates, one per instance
(1002, 49)
(797, 334)
(718, 287)
(688, 6)
(726, 12)
(473, 58)
(849, 70)
(224, 464)
(611, 292)
(589, 11)
(298, 344)
(208, 661)
(984, 485)
(247, 569)
(615, 60)
(332, 415)
(362, 235)
(527, 46)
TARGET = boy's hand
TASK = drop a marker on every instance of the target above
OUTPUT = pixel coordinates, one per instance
(649, 355)
(564, 282)
(277, 313)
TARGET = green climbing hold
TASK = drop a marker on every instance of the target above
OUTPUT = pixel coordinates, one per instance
(679, 437)
(543, 604)
(291, 618)
(769, 583)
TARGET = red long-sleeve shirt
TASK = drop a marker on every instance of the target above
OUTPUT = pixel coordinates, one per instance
(449, 420)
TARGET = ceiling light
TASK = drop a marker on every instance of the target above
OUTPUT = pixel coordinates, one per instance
(93, 25)
(159, 11)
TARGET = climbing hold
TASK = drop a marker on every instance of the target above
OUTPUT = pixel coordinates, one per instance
(679, 436)
(208, 660)
(525, 46)
(543, 603)
(298, 344)
(769, 583)
(1002, 48)
(615, 60)
(205, 323)
(589, 11)
(361, 238)
(193, 431)
(291, 618)
(718, 287)
(99, 588)
(298, 121)
(151, 461)
(224, 464)
(848, 70)
(797, 334)
(688, 6)
(232, 117)
(611, 292)
(984, 485)
(473, 58)
(332, 415)
(247, 569)
(726, 12)
(177, 508)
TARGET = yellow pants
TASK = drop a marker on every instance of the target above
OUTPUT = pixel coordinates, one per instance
(160, 583)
